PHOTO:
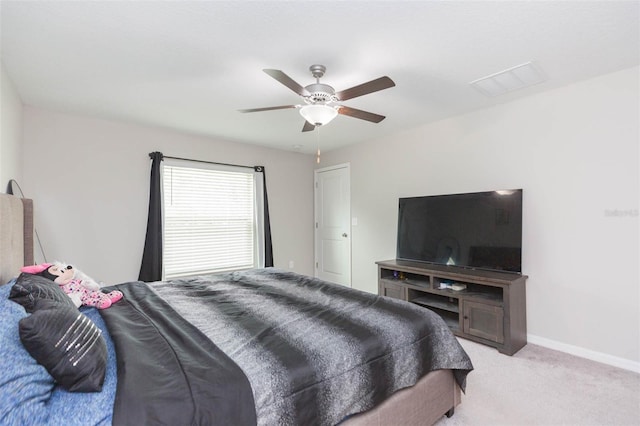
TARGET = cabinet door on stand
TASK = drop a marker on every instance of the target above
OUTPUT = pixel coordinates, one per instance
(393, 290)
(484, 321)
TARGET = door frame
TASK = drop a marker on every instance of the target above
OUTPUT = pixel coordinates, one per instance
(316, 207)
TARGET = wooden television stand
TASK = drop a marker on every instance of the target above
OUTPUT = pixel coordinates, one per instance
(491, 309)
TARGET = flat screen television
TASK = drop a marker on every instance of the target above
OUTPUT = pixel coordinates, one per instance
(480, 230)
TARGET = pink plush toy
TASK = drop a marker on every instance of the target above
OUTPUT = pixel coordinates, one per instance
(81, 289)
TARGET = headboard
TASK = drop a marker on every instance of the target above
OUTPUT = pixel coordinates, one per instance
(16, 235)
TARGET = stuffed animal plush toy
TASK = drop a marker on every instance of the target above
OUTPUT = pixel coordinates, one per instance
(82, 289)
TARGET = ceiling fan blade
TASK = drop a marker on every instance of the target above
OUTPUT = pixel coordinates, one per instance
(307, 126)
(363, 115)
(268, 108)
(365, 88)
(287, 81)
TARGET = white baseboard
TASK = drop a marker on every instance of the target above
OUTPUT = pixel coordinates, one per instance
(615, 361)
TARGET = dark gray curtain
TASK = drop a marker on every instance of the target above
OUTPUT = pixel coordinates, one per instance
(268, 249)
(151, 268)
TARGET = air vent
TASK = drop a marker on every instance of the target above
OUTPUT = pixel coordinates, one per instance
(511, 79)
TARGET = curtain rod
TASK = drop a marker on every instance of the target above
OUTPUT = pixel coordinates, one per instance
(259, 168)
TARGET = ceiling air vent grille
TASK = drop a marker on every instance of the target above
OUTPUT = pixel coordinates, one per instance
(511, 79)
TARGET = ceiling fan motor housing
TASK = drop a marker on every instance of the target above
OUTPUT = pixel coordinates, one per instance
(320, 94)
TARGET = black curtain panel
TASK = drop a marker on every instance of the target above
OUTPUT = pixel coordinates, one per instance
(268, 249)
(151, 268)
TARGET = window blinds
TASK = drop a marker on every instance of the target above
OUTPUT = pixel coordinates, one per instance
(209, 219)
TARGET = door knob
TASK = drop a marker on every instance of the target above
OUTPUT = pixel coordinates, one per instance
(344, 235)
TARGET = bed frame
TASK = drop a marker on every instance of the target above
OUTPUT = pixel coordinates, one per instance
(435, 395)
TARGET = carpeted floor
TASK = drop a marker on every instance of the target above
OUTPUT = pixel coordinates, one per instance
(540, 386)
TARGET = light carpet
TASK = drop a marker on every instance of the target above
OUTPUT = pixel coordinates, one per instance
(540, 386)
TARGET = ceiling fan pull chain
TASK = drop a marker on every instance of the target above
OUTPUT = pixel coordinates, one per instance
(318, 144)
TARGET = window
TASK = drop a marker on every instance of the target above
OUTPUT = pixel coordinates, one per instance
(212, 218)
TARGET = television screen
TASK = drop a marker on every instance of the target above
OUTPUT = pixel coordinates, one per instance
(480, 230)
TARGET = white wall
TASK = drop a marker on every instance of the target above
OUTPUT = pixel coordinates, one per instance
(10, 132)
(89, 179)
(574, 151)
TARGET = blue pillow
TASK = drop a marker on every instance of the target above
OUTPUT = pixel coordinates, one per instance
(29, 393)
(23, 381)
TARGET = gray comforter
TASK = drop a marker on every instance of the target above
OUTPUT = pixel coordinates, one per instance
(315, 352)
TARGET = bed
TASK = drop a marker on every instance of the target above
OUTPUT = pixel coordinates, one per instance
(265, 346)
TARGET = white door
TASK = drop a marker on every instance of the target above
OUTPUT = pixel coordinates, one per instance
(333, 224)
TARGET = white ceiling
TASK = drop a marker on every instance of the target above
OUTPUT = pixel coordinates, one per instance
(190, 65)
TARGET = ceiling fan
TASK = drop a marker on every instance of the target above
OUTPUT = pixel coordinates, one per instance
(321, 100)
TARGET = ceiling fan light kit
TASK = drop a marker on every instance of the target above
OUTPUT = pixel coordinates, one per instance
(321, 99)
(318, 115)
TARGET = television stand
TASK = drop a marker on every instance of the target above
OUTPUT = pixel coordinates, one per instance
(490, 309)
